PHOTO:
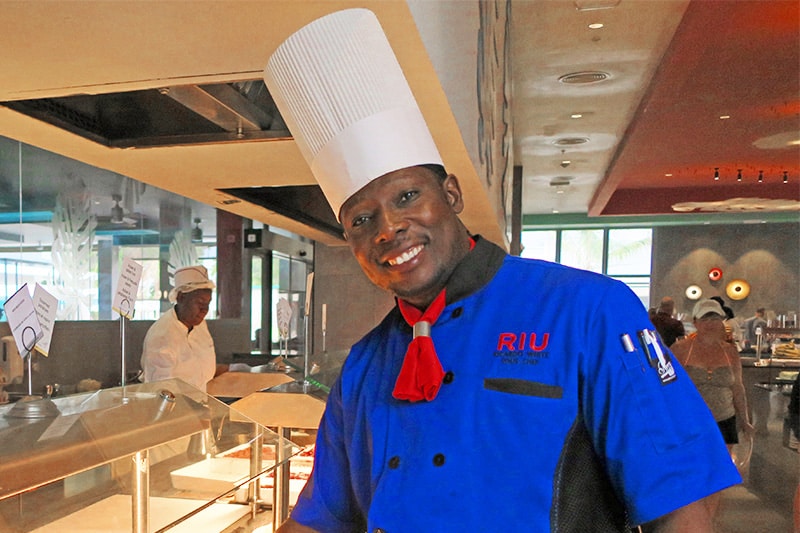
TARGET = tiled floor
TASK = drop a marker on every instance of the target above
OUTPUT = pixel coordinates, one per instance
(763, 503)
(741, 511)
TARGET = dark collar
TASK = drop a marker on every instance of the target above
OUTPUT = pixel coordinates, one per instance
(475, 270)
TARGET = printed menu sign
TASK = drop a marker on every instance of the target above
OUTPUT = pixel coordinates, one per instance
(22, 318)
(46, 306)
(127, 288)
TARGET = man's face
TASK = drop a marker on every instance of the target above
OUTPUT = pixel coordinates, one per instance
(404, 230)
(193, 306)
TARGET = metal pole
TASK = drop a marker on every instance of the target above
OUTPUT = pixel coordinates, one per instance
(122, 347)
(140, 484)
(30, 373)
(280, 494)
(305, 350)
(256, 460)
(759, 343)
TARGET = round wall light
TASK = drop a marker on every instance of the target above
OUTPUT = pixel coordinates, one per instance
(693, 292)
(738, 289)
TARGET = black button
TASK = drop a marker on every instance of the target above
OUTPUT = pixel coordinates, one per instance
(394, 462)
(448, 378)
(438, 459)
(457, 312)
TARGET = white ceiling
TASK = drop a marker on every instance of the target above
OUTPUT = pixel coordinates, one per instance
(553, 39)
(646, 46)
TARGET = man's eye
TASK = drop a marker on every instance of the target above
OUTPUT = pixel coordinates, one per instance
(358, 221)
(408, 195)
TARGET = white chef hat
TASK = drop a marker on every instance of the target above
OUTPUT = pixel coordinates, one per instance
(343, 95)
(188, 279)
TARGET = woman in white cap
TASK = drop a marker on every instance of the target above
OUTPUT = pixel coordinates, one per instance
(715, 368)
(179, 345)
(500, 394)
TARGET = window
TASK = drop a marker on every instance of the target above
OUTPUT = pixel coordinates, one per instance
(68, 226)
(582, 248)
(539, 245)
(622, 253)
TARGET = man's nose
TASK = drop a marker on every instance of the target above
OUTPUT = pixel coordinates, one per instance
(390, 223)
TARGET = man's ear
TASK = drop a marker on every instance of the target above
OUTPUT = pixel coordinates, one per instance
(452, 191)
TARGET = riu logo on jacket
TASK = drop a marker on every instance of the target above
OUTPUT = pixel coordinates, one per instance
(525, 347)
(524, 341)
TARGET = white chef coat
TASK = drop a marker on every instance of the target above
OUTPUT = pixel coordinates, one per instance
(172, 351)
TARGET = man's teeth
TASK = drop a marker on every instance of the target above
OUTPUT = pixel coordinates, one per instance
(405, 256)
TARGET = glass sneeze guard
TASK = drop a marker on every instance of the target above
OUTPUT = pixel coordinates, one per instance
(55, 469)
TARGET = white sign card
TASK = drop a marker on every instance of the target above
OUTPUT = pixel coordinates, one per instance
(127, 288)
(284, 311)
(22, 318)
(46, 306)
(309, 285)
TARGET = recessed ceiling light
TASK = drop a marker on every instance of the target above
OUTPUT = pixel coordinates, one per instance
(596, 25)
(576, 115)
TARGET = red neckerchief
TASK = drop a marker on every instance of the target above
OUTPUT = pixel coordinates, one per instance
(421, 375)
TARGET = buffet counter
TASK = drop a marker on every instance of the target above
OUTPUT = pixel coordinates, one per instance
(772, 471)
(148, 457)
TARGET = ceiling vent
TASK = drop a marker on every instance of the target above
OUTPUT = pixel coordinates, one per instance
(593, 5)
(560, 181)
(584, 77)
(571, 141)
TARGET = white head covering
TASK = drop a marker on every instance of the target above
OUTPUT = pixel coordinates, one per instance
(188, 279)
(343, 95)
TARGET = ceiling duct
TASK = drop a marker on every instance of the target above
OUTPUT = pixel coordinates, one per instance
(223, 105)
(169, 116)
(304, 203)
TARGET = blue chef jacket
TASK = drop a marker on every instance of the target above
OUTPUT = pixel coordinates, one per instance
(545, 418)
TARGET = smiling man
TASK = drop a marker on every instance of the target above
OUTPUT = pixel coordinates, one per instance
(421, 205)
(500, 394)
